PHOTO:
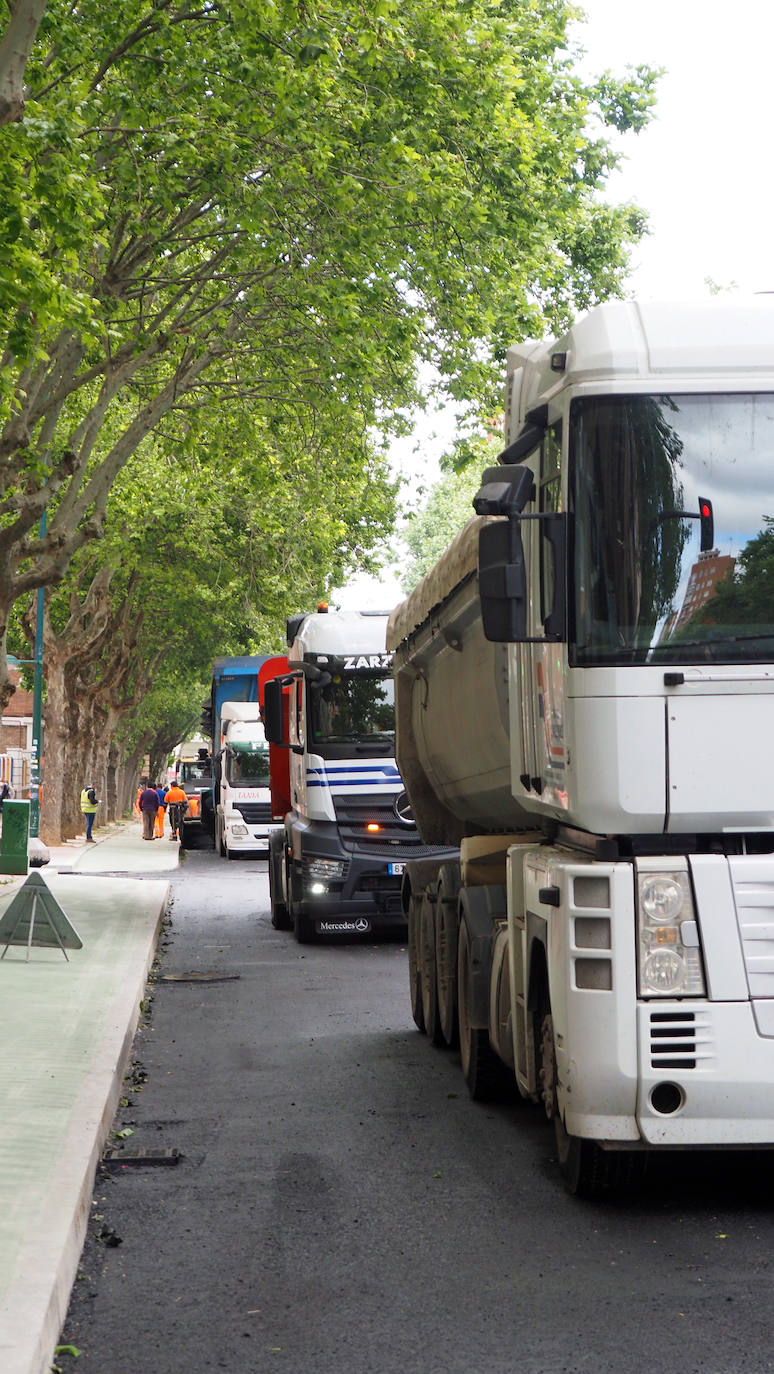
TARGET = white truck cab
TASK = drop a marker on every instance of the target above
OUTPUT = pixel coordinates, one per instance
(243, 817)
(336, 869)
(585, 706)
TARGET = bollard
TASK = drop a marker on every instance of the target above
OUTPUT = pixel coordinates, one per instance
(16, 829)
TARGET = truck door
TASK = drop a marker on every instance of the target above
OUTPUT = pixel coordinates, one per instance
(720, 748)
(543, 665)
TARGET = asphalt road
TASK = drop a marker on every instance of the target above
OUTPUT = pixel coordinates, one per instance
(342, 1206)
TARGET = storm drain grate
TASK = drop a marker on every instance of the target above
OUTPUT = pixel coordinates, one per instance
(139, 1156)
(198, 977)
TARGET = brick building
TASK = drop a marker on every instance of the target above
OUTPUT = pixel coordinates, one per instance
(709, 569)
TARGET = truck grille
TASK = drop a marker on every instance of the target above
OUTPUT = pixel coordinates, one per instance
(672, 1040)
(255, 813)
(376, 882)
(682, 1039)
(393, 840)
(753, 882)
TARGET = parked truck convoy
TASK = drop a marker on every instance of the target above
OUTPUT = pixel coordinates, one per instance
(336, 866)
(240, 812)
(585, 709)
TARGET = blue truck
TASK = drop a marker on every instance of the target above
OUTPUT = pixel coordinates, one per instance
(238, 812)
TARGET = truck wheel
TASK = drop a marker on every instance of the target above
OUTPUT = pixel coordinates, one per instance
(415, 973)
(586, 1169)
(280, 917)
(447, 928)
(218, 839)
(428, 971)
(303, 928)
(484, 1073)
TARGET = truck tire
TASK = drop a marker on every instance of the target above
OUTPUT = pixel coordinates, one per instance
(303, 927)
(485, 1075)
(586, 1170)
(447, 927)
(427, 968)
(415, 973)
(280, 917)
(218, 839)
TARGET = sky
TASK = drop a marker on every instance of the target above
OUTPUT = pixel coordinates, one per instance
(702, 170)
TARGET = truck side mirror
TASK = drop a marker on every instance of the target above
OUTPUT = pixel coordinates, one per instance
(502, 582)
(272, 712)
(504, 490)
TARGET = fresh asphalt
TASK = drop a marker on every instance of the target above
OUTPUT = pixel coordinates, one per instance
(66, 1027)
(339, 1206)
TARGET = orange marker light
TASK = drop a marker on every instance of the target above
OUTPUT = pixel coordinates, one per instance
(373, 827)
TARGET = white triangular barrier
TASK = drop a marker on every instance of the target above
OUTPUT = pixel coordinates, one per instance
(35, 918)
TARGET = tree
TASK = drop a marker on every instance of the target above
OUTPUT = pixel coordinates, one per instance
(204, 553)
(449, 504)
(744, 598)
(15, 47)
(286, 204)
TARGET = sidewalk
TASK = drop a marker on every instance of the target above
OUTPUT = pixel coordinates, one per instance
(66, 1030)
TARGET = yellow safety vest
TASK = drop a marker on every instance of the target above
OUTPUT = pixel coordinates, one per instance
(87, 805)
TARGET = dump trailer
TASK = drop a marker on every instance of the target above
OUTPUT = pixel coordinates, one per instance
(336, 867)
(585, 710)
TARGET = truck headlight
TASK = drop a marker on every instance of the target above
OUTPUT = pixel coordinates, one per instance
(670, 962)
(238, 830)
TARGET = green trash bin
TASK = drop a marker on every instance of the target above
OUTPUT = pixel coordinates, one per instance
(16, 831)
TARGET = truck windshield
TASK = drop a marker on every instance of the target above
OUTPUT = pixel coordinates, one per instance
(643, 591)
(247, 765)
(195, 775)
(354, 708)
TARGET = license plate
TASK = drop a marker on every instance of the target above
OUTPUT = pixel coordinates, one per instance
(395, 868)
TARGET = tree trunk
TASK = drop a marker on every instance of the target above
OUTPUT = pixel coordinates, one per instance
(15, 48)
(59, 810)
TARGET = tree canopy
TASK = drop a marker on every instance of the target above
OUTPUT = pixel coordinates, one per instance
(449, 504)
(279, 209)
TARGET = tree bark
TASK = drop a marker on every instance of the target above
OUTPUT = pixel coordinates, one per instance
(15, 47)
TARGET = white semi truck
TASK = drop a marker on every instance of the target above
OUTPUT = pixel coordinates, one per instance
(585, 708)
(243, 812)
(335, 869)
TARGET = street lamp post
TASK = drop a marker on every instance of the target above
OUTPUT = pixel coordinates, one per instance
(37, 717)
(37, 707)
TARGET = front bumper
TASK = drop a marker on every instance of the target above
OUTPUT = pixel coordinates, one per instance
(705, 1079)
(363, 896)
(366, 898)
(724, 1070)
(241, 837)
